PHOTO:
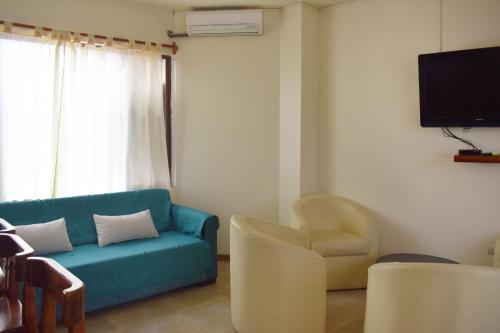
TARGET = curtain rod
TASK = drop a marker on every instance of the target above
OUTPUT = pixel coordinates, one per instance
(172, 46)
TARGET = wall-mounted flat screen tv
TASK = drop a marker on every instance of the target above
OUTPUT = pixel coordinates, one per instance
(460, 88)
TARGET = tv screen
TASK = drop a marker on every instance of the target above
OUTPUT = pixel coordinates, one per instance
(460, 88)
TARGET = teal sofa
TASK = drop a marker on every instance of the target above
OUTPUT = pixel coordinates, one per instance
(183, 255)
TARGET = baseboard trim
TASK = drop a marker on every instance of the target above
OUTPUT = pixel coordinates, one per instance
(223, 257)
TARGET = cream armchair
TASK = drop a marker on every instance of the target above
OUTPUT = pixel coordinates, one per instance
(342, 233)
(277, 285)
(432, 298)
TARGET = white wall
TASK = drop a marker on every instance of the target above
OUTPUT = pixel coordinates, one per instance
(226, 125)
(309, 134)
(226, 122)
(372, 147)
(290, 108)
(112, 17)
(470, 24)
(298, 105)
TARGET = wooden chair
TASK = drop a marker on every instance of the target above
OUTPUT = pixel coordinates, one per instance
(6, 227)
(58, 286)
(13, 256)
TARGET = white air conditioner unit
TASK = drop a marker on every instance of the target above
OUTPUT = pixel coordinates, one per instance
(224, 23)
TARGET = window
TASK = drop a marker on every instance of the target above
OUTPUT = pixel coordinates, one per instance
(78, 119)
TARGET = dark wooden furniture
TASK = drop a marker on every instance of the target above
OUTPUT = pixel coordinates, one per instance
(58, 286)
(477, 159)
(13, 256)
(6, 227)
(414, 257)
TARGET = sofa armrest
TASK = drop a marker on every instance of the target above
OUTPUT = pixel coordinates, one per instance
(6, 227)
(299, 222)
(202, 225)
(195, 223)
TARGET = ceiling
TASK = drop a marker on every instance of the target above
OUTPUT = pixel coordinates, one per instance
(194, 4)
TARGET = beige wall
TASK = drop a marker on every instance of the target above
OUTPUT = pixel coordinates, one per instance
(309, 133)
(290, 108)
(227, 135)
(372, 147)
(226, 122)
(112, 17)
(226, 125)
(298, 105)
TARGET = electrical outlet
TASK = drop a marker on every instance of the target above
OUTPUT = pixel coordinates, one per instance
(491, 251)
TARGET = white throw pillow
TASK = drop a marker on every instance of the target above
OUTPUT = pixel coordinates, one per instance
(45, 238)
(115, 229)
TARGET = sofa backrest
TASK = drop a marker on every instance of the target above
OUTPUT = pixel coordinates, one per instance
(78, 211)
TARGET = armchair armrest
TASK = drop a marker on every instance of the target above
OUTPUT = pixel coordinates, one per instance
(6, 227)
(195, 223)
(280, 232)
(352, 217)
(355, 220)
(258, 256)
(299, 221)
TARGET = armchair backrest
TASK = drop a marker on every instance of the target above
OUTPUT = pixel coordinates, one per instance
(329, 213)
(432, 298)
(277, 285)
(315, 212)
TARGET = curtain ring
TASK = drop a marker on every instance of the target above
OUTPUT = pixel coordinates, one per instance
(109, 41)
(65, 36)
(131, 44)
(38, 32)
(48, 35)
(55, 35)
(91, 40)
(7, 27)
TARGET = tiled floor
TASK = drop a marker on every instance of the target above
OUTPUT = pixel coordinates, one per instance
(207, 310)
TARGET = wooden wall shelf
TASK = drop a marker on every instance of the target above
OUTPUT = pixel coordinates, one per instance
(477, 159)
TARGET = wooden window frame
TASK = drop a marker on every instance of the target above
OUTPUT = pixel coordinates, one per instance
(167, 106)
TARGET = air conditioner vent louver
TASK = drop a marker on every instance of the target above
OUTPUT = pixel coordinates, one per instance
(221, 23)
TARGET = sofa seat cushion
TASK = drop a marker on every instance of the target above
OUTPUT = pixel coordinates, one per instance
(126, 268)
(338, 243)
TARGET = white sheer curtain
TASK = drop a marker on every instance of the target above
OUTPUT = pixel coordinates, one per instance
(28, 118)
(79, 119)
